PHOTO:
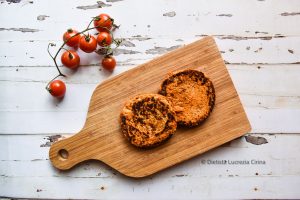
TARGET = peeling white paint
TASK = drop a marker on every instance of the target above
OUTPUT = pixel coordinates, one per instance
(170, 14)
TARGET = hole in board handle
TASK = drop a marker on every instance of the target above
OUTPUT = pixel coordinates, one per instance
(63, 154)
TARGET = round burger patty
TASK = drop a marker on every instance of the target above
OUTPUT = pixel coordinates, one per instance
(191, 94)
(147, 120)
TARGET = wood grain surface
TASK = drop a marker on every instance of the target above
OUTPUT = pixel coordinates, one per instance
(101, 138)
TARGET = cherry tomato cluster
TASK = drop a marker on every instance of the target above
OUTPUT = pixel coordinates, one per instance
(88, 44)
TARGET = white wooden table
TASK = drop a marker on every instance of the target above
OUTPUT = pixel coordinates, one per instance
(260, 42)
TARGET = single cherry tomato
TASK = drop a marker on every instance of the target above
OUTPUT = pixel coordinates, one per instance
(104, 39)
(70, 59)
(103, 22)
(72, 42)
(57, 88)
(88, 43)
(109, 63)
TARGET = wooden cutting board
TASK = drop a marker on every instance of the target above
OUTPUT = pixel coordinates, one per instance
(101, 137)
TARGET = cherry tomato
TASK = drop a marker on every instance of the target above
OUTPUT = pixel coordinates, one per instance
(57, 88)
(73, 42)
(104, 39)
(70, 59)
(109, 63)
(88, 43)
(104, 21)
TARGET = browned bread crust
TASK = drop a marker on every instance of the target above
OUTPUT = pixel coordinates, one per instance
(191, 94)
(147, 120)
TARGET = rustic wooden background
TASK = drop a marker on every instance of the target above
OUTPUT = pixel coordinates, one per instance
(259, 41)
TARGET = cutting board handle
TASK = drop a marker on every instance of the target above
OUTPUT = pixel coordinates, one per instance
(64, 154)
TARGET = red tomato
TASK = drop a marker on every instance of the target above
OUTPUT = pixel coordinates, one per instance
(109, 63)
(72, 42)
(104, 21)
(70, 59)
(104, 39)
(88, 43)
(57, 88)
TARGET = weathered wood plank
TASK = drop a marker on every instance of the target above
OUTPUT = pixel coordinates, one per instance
(26, 165)
(32, 150)
(268, 92)
(269, 80)
(69, 122)
(193, 18)
(177, 188)
(234, 51)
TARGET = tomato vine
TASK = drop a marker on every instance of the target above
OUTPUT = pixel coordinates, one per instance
(102, 24)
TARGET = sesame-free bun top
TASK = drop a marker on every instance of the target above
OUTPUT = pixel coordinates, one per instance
(191, 95)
